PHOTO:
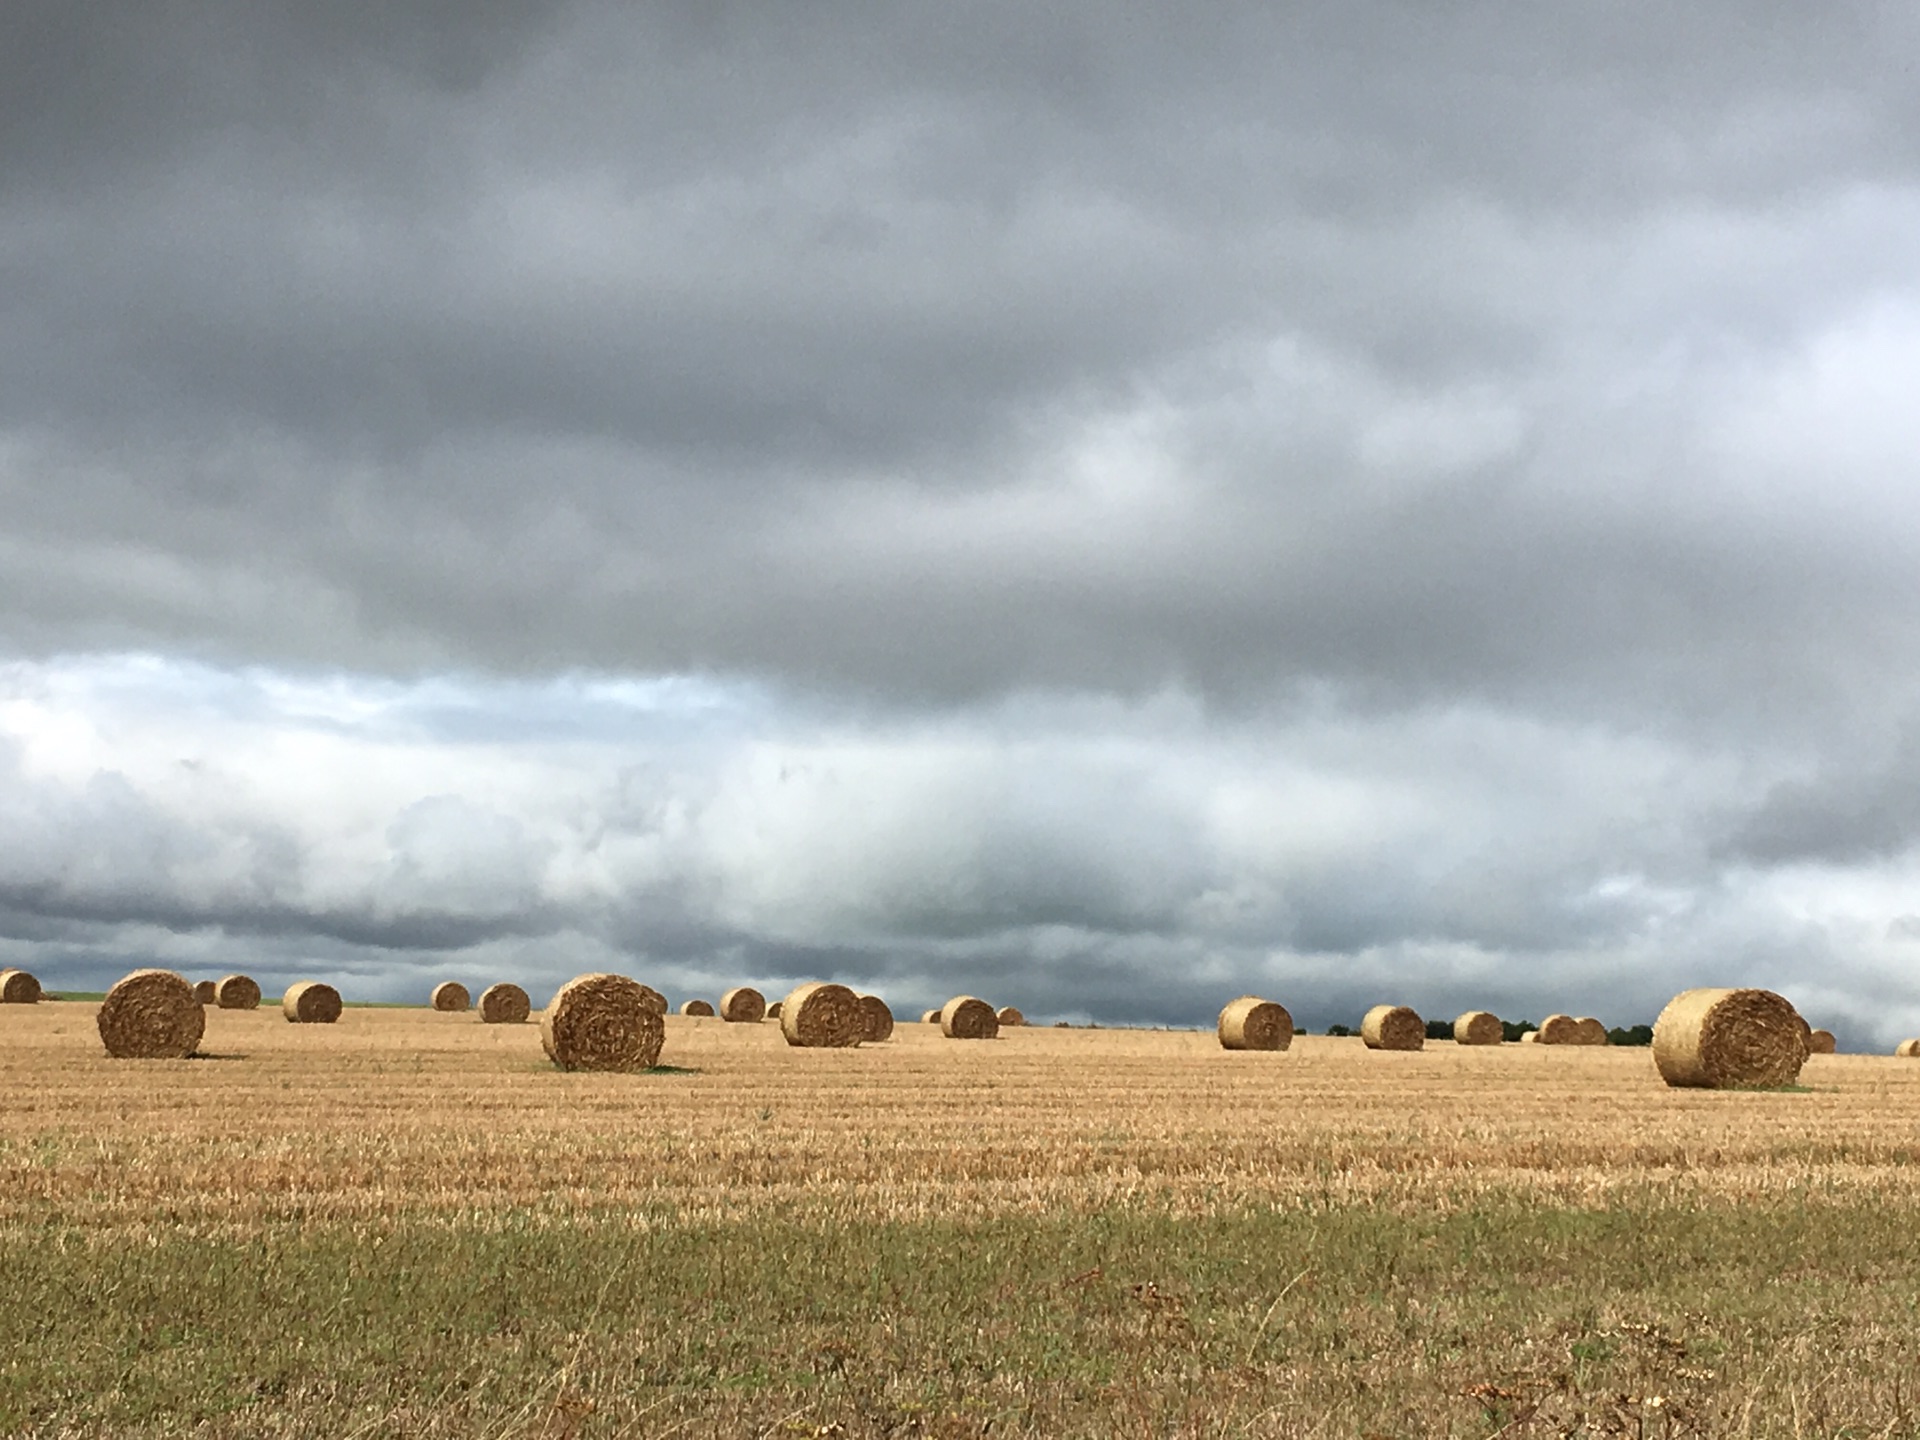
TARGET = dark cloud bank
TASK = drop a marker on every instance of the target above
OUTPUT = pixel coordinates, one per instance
(1338, 499)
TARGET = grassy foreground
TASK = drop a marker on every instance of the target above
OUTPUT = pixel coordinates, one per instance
(1502, 1318)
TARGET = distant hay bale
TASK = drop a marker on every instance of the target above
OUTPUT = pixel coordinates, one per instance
(698, 1009)
(1908, 1049)
(1821, 1042)
(655, 1001)
(967, 1018)
(773, 1011)
(743, 1005)
(18, 987)
(877, 1018)
(1530, 1037)
(1717, 1039)
(236, 992)
(822, 1016)
(1393, 1027)
(203, 992)
(1559, 1030)
(602, 1022)
(311, 1003)
(1478, 1027)
(1591, 1031)
(504, 1004)
(1009, 1015)
(151, 1015)
(929, 1017)
(451, 998)
(1251, 1023)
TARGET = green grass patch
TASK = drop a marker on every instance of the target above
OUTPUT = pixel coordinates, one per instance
(1503, 1319)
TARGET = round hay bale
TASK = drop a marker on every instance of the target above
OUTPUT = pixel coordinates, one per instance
(966, 1018)
(203, 991)
(1393, 1027)
(236, 992)
(877, 1018)
(1479, 1027)
(1716, 1039)
(822, 1016)
(773, 1011)
(18, 987)
(1009, 1015)
(1559, 1030)
(1530, 1037)
(698, 1009)
(929, 1017)
(1908, 1049)
(311, 1003)
(743, 1005)
(1591, 1031)
(602, 1022)
(504, 1004)
(1251, 1023)
(151, 1015)
(450, 997)
(1821, 1042)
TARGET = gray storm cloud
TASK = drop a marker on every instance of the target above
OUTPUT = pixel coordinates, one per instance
(1494, 428)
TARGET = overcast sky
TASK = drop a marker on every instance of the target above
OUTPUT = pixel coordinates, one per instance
(1097, 505)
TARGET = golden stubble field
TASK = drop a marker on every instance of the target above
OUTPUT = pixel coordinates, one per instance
(402, 1113)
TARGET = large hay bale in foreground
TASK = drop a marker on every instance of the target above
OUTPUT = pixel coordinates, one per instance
(602, 1022)
(1908, 1049)
(929, 1017)
(1719, 1039)
(203, 991)
(236, 992)
(311, 1002)
(1479, 1027)
(966, 1017)
(877, 1018)
(1009, 1015)
(450, 997)
(1590, 1031)
(1251, 1023)
(743, 1005)
(822, 1016)
(655, 1001)
(1559, 1030)
(1393, 1027)
(698, 1009)
(18, 987)
(504, 1004)
(1821, 1042)
(151, 1015)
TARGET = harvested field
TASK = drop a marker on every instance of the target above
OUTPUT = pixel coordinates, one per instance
(465, 1240)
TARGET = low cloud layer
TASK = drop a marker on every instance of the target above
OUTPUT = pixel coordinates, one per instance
(1333, 498)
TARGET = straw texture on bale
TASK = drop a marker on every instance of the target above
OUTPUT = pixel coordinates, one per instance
(773, 1011)
(311, 1003)
(450, 997)
(1591, 1031)
(203, 991)
(1716, 1039)
(1908, 1049)
(743, 1005)
(877, 1019)
(1478, 1027)
(929, 1017)
(602, 1022)
(966, 1017)
(1251, 1023)
(18, 987)
(1821, 1042)
(236, 992)
(655, 1001)
(1559, 1030)
(1009, 1015)
(699, 1009)
(504, 1004)
(151, 1015)
(822, 1016)
(1393, 1027)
